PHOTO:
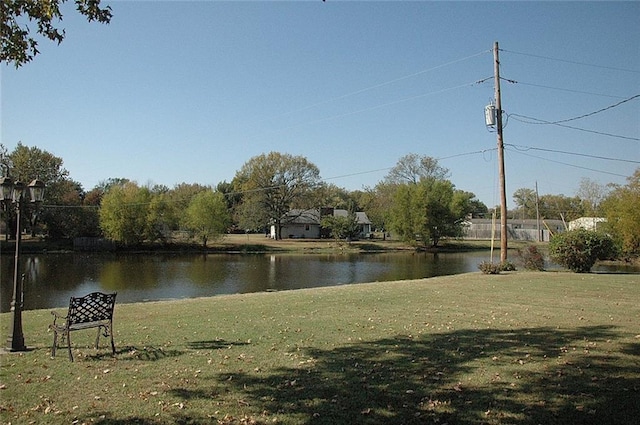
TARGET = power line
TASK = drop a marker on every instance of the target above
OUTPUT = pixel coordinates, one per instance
(540, 121)
(389, 168)
(574, 62)
(598, 111)
(530, 148)
(591, 113)
(568, 165)
(565, 89)
(375, 86)
(371, 108)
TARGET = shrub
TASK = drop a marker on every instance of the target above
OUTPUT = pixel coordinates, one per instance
(492, 268)
(531, 258)
(507, 266)
(578, 250)
(489, 268)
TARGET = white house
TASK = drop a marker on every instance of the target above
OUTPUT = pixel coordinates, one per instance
(305, 224)
(588, 223)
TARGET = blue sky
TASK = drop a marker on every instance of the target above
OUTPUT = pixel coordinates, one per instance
(174, 91)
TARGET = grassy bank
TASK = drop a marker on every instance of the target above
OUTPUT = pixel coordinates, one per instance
(258, 243)
(516, 348)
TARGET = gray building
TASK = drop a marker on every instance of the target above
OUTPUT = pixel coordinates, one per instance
(517, 229)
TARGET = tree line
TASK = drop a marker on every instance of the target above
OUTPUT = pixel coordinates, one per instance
(416, 201)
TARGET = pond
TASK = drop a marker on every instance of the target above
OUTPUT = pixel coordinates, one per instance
(50, 279)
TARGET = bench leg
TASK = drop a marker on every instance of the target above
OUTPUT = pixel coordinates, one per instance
(55, 343)
(107, 331)
(113, 346)
(98, 336)
(69, 345)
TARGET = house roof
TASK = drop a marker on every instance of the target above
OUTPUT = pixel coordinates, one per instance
(303, 216)
(312, 216)
(361, 216)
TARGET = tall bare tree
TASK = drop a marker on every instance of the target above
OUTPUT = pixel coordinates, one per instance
(592, 194)
(412, 168)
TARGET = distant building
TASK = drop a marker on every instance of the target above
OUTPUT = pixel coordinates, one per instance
(517, 229)
(305, 224)
(588, 223)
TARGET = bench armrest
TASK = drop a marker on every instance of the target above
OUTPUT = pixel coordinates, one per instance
(57, 316)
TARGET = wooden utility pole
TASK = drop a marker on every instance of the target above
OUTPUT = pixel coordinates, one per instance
(503, 189)
(538, 214)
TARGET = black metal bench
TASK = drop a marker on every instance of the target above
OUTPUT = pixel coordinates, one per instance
(94, 310)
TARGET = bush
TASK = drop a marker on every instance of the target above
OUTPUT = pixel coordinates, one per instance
(489, 268)
(578, 250)
(492, 268)
(507, 266)
(531, 258)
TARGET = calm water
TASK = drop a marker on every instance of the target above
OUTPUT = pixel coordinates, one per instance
(50, 279)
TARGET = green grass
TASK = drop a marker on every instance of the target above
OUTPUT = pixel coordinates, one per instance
(514, 348)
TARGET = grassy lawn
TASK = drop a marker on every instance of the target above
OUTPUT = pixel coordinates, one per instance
(258, 242)
(515, 348)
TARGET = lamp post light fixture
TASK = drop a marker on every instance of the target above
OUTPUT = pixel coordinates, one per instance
(13, 193)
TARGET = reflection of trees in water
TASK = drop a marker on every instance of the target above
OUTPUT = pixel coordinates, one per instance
(64, 272)
(206, 270)
(133, 272)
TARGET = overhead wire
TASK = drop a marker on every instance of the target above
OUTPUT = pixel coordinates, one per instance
(592, 113)
(567, 164)
(573, 62)
(383, 105)
(531, 148)
(541, 121)
(565, 89)
(598, 111)
(375, 86)
(389, 168)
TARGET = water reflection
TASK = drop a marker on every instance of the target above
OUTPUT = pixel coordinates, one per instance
(52, 278)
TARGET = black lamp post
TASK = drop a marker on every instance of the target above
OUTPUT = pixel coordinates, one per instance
(13, 193)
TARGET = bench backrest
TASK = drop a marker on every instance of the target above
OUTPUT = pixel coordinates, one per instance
(93, 307)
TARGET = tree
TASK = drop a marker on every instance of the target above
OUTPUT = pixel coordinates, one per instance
(72, 216)
(207, 216)
(429, 210)
(622, 210)
(123, 213)
(477, 207)
(578, 250)
(412, 168)
(330, 195)
(18, 44)
(178, 200)
(592, 194)
(525, 200)
(342, 227)
(27, 163)
(560, 207)
(369, 201)
(160, 216)
(380, 205)
(272, 185)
